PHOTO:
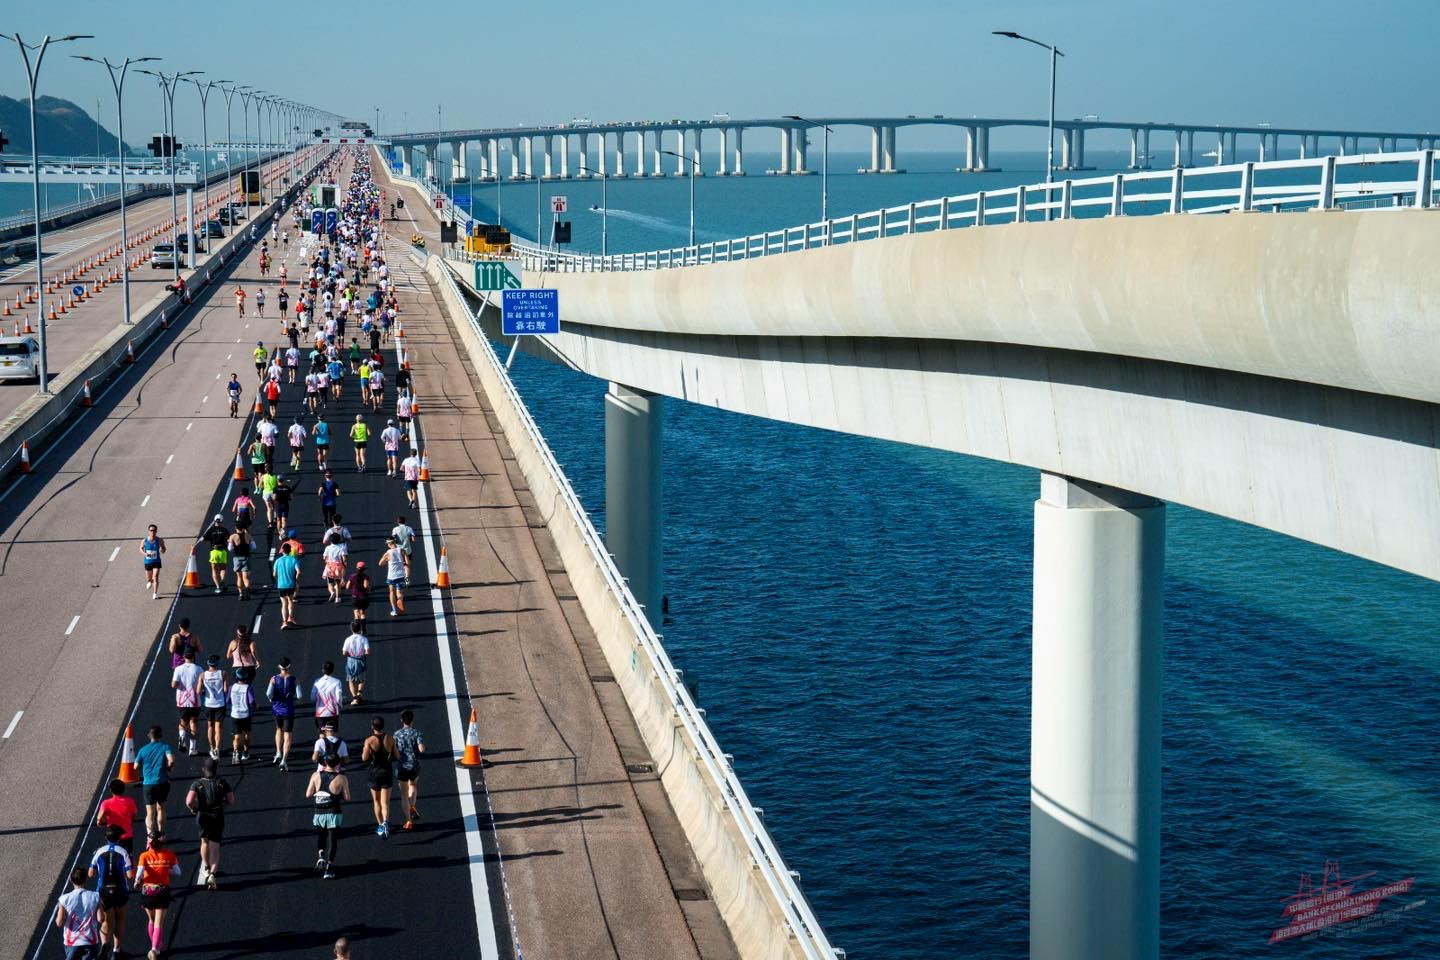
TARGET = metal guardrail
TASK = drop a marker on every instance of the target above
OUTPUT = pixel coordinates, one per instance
(781, 881)
(1324, 183)
(27, 218)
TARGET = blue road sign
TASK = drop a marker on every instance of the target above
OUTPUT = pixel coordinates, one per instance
(529, 311)
(317, 221)
(78, 290)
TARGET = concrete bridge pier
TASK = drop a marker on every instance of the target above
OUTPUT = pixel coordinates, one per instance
(1080, 150)
(493, 148)
(724, 148)
(887, 150)
(602, 152)
(407, 161)
(564, 156)
(549, 168)
(584, 172)
(514, 158)
(1189, 148)
(633, 522)
(1179, 160)
(969, 151)
(620, 153)
(875, 151)
(459, 166)
(1095, 723)
(657, 166)
(529, 144)
(739, 170)
(982, 151)
(639, 153)
(799, 136)
(695, 157)
(785, 149)
(680, 170)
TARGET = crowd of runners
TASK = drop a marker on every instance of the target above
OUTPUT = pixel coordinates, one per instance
(344, 289)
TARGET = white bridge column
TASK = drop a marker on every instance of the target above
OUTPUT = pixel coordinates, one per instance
(564, 156)
(514, 158)
(801, 139)
(971, 135)
(1080, 149)
(633, 523)
(680, 170)
(1134, 149)
(887, 148)
(620, 153)
(406, 167)
(784, 149)
(459, 168)
(1067, 137)
(875, 151)
(602, 152)
(529, 157)
(657, 165)
(584, 171)
(549, 142)
(695, 156)
(494, 147)
(639, 153)
(724, 148)
(739, 170)
(1095, 723)
(982, 158)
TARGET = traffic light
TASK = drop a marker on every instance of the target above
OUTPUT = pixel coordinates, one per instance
(165, 146)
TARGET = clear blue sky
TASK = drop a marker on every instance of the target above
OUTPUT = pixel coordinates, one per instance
(1320, 62)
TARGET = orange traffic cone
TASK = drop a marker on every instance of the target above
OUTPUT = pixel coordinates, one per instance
(128, 771)
(442, 576)
(192, 573)
(414, 404)
(86, 399)
(258, 408)
(239, 466)
(425, 466)
(24, 456)
(7, 310)
(471, 757)
(28, 328)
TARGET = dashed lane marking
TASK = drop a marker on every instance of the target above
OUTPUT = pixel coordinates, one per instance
(14, 722)
(73, 621)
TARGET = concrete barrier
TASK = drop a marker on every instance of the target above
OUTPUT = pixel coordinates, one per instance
(39, 418)
(767, 915)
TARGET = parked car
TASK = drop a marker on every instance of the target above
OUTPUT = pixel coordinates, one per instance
(213, 228)
(163, 256)
(233, 213)
(19, 358)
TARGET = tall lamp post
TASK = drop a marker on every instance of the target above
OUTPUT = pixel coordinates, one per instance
(824, 171)
(1050, 131)
(693, 164)
(117, 80)
(246, 95)
(229, 136)
(32, 74)
(168, 86)
(204, 90)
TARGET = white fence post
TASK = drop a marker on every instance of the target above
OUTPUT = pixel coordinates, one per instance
(1247, 187)
(1067, 195)
(1177, 191)
(910, 220)
(1425, 183)
(980, 209)
(1117, 196)
(1327, 184)
(1019, 204)
(881, 234)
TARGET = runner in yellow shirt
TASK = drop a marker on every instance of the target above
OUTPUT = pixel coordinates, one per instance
(360, 434)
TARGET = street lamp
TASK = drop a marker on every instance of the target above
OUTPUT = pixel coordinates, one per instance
(824, 171)
(32, 74)
(204, 90)
(1050, 131)
(604, 209)
(693, 165)
(168, 86)
(118, 82)
(229, 137)
(247, 94)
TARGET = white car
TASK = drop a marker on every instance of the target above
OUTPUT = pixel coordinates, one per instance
(163, 256)
(19, 358)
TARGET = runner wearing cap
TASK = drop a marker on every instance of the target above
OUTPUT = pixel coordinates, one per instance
(287, 584)
(282, 693)
(217, 535)
(262, 357)
(359, 584)
(392, 561)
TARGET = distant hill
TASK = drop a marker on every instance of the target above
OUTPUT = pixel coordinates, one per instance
(65, 130)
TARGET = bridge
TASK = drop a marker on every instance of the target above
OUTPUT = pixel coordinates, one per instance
(556, 143)
(1256, 342)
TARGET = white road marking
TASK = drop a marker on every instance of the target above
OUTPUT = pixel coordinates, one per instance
(190, 424)
(256, 628)
(146, 501)
(206, 399)
(14, 722)
(113, 554)
(479, 883)
(217, 376)
(71, 629)
(170, 459)
(227, 357)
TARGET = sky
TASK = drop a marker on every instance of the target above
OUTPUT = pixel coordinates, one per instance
(1286, 62)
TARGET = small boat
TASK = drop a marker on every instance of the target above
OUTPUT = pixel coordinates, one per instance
(594, 208)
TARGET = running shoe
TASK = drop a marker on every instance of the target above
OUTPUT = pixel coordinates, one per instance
(234, 756)
(203, 878)
(275, 759)
(210, 882)
(284, 767)
(320, 863)
(380, 830)
(329, 874)
(194, 748)
(245, 756)
(414, 814)
(385, 830)
(409, 824)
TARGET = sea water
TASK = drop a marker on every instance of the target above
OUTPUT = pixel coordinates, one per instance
(857, 615)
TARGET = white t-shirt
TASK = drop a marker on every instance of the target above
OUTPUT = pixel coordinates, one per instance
(240, 701)
(356, 645)
(81, 928)
(267, 431)
(390, 437)
(213, 691)
(327, 693)
(402, 406)
(297, 435)
(185, 677)
(292, 357)
(411, 467)
(336, 553)
(335, 744)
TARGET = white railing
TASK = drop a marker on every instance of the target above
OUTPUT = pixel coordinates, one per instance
(60, 210)
(781, 881)
(1324, 183)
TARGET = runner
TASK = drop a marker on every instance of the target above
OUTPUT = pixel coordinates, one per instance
(360, 435)
(185, 680)
(322, 444)
(242, 708)
(379, 752)
(327, 694)
(329, 494)
(217, 535)
(240, 301)
(404, 535)
(214, 691)
(312, 390)
(287, 583)
(232, 389)
(157, 866)
(410, 470)
(409, 745)
(256, 450)
(392, 561)
(390, 440)
(262, 359)
(118, 810)
(354, 355)
(260, 302)
(365, 381)
(113, 872)
(336, 559)
(244, 510)
(272, 392)
(329, 790)
(292, 361)
(282, 693)
(151, 547)
(207, 799)
(377, 387)
(404, 410)
(269, 484)
(155, 760)
(79, 915)
(243, 651)
(357, 651)
(297, 437)
(241, 546)
(359, 585)
(268, 431)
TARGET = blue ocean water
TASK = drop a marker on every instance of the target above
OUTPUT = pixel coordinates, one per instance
(857, 615)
